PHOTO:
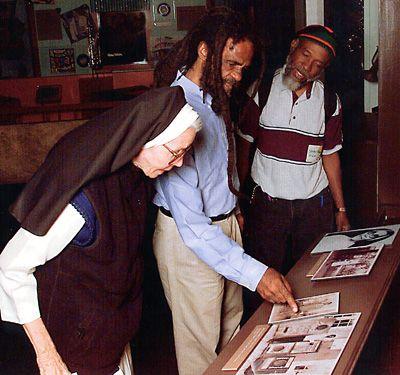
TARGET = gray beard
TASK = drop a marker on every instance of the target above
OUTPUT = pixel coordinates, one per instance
(289, 82)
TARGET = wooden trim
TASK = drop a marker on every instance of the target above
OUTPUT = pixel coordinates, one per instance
(33, 39)
(356, 295)
(300, 14)
(389, 114)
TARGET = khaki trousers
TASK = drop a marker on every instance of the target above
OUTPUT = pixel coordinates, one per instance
(206, 308)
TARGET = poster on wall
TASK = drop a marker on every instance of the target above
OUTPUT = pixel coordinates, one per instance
(62, 60)
(77, 23)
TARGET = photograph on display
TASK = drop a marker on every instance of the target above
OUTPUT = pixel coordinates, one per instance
(348, 263)
(384, 235)
(307, 346)
(311, 306)
(77, 23)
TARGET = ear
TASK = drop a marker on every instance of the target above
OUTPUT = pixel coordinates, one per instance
(202, 51)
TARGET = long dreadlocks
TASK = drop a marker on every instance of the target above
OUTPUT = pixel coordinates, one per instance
(214, 29)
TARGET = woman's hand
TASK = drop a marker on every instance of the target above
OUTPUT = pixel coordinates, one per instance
(50, 363)
(47, 357)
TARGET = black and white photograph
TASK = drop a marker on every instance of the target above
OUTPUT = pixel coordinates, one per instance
(77, 23)
(357, 238)
(348, 263)
(310, 306)
(309, 346)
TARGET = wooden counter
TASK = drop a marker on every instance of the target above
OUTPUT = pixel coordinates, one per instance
(360, 294)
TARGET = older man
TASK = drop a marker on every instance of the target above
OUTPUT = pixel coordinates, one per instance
(296, 167)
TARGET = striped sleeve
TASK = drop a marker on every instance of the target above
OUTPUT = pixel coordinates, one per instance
(248, 124)
(333, 131)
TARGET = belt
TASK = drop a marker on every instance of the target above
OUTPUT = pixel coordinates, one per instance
(320, 196)
(213, 218)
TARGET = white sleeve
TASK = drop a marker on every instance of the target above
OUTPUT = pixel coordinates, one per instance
(19, 259)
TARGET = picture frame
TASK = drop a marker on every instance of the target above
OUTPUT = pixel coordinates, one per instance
(357, 238)
(348, 263)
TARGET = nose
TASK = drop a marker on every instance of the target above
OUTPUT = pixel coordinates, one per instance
(307, 64)
(237, 74)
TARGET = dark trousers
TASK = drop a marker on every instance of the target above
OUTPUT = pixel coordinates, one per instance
(279, 231)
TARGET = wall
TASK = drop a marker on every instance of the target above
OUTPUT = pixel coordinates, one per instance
(371, 36)
(24, 147)
(314, 12)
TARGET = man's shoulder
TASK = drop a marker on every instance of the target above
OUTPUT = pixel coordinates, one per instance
(326, 88)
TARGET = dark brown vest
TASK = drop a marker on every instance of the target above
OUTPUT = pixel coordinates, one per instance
(90, 297)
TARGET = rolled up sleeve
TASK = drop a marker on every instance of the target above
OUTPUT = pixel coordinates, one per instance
(18, 262)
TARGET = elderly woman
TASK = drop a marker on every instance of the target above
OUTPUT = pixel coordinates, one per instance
(72, 273)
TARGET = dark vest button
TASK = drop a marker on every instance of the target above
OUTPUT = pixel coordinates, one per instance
(80, 332)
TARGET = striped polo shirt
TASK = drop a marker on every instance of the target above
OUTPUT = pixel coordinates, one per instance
(291, 136)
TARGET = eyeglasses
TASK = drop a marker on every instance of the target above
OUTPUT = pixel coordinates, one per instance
(177, 154)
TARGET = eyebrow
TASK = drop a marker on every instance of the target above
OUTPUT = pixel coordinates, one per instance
(235, 62)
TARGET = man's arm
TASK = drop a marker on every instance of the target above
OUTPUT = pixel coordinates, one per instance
(245, 153)
(333, 171)
(209, 243)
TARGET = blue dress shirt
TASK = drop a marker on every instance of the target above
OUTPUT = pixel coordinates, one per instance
(199, 190)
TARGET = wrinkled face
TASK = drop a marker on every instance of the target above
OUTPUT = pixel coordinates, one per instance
(156, 160)
(305, 63)
(235, 59)
(371, 235)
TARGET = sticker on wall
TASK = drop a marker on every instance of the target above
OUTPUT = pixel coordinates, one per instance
(83, 60)
(163, 12)
(164, 9)
(77, 23)
(62, 60)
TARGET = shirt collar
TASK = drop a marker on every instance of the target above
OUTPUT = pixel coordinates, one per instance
(191, 87)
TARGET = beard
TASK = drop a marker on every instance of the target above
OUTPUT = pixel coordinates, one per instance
(230, 85)
(291, 83)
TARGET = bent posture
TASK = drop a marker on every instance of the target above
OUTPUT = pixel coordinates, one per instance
(72, 274)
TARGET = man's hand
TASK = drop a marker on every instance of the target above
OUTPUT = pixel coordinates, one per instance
(274, 288)
(342, 222)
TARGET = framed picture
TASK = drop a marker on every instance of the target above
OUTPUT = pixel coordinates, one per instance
(77, 23)
(62, 60)
(356, 238)
(307, 346)
(348, 263)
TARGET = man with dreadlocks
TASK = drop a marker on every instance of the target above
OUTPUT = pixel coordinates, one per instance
(296, 167)
(197, 238)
